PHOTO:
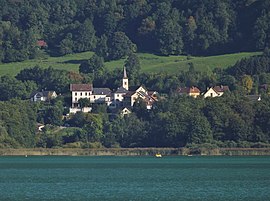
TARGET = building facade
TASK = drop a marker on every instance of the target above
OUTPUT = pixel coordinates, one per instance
(123, 96)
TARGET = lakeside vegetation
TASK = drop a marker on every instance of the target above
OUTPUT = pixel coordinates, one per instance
(198, 151)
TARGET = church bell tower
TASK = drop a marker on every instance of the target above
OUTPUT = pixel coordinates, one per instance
(125, 79)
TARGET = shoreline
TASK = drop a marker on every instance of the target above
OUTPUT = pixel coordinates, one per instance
(136, 152)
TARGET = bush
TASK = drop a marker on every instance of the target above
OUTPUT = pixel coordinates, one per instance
(73, 145)
(92, 145)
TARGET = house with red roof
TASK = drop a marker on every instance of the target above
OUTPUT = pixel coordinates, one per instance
(189, 91)
(41, 44)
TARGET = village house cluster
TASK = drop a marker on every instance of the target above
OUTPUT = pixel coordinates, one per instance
(215, 91)
(122, 99)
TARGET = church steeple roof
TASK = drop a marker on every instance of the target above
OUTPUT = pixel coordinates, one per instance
(125, 73)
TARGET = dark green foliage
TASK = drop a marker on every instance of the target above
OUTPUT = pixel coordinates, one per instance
(13, 88)
(102, 49)
(133, 67)
(94, 65)
(164, 27)
(53, 137)
(51, 114)
(120, 46)
(251, 66)
(66, 45)
(17, 124)
(46, 79)
(84, 102)
(85, 39)
(129, 131)
(169, 33)
(92, 124)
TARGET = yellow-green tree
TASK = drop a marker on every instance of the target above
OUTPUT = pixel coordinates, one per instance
(247, 83)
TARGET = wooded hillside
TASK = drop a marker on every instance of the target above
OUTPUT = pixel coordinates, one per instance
(114, 28)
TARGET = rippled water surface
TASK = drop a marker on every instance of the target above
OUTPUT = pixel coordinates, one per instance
(134, 178)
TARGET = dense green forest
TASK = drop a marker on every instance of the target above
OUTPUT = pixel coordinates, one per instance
(115, 28)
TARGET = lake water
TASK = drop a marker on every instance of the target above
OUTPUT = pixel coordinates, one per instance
(135, 178)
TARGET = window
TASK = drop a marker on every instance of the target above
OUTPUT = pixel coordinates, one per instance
(75, 99)
(81, 94)
(89, 93)
(76, 94)
(86, 93)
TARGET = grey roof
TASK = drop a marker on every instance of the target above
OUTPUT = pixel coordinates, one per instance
(121, 90)
(125, 73)
(101, 91)
(41, 93)
(254, 97)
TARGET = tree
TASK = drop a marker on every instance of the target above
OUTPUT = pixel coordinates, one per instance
(189, 34)
(120, 46)
(129, 131)
(77, 120)
(247, 83)
(102, 47)
(199, 130)
(17, 123)
(48, 78)
(133, 67)
(169, 34)
(84, 37)
(13, 88)
(66, 45)
(94, 65)
(84, 102)
(261, 31)
(93, 127)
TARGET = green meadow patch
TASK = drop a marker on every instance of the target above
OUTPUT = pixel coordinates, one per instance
(149, 62)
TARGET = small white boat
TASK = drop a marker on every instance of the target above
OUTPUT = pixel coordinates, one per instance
(158, 155)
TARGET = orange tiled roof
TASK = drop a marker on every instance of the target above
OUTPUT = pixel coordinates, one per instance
(188, 90)
(221, 88)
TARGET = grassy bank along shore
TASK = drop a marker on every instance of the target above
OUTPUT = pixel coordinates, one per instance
(137, 152)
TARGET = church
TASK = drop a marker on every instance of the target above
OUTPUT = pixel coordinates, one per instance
(123, 97)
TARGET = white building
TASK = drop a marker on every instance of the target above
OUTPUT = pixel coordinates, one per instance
(216, 91)
(94, 95)
(80, 91)
(124, 96)
(43, 96)
(127, 96)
